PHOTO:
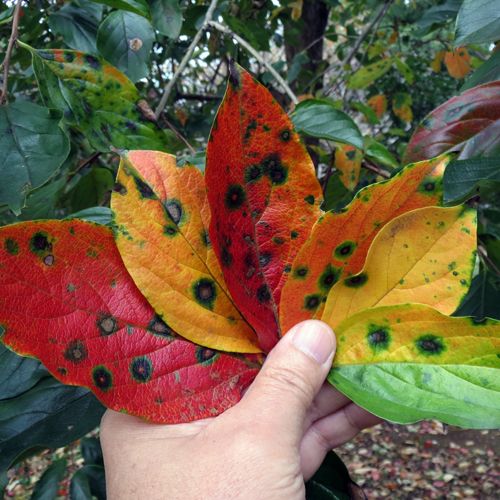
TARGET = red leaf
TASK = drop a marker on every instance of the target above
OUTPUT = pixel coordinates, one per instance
(262, 186)
(68, 300)
(454, 122)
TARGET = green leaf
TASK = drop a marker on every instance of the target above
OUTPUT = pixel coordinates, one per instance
(77, 23)
(99, 215)
(439, 14)
(463, 395)
(319, 118)
(125, 40)
(483, 299)
(33, 147)
(331, 481)
(167, 17)
(91, 189)
(97, 100)
(489, 71)
(48, 485)
(337, 196)
(95, 479)
(366, 75)
(379, 154)
(18, 374)
(137, 6)
(463, 177)
(478, 21)
(48, 415)
(91, 451)
(405, 70)
(79, 488)
(370, 115)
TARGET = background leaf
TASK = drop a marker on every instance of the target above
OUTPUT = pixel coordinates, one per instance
(125, 39)
(463, 178)
(478, 21)
(137, 6)
(366, 75)
(319, 118)
(33, 147)
(167, 17)
(47, 487)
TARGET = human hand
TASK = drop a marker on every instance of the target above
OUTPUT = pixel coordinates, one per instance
(265, 447)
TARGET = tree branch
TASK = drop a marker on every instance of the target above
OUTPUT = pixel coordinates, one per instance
(249, 48)
(374, 23)
(8, 53)
(380, 171)
(185, 59)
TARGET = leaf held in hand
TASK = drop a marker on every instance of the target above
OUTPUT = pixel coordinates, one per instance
(339, 242)
(262, 187)
(68, 300)
(161, 227)
(425, 256)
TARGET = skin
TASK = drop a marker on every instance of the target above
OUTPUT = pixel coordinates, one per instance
(265, 447)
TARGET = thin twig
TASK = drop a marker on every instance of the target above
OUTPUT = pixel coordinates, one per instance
(185, 59)
(380, 171)
(374, 23)
(198, 97)
(483, 253)
(249, 48)
(8, 53)
(178, 134)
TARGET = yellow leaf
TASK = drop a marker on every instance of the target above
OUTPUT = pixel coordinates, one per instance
(348, 162)
(161, 227)
(437, 61)
(401, 106)
(458, 63)
(416, 333)
(296, 9)
(379, 104)
(425, 256)
(393, 38)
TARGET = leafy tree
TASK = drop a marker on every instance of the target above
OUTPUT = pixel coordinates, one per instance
(360, 79)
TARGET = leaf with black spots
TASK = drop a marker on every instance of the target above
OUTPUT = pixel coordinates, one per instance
(96, 99)
(262, 188)
(339, 242)
(161, 226)
(425, 256)
(409, 362)
(68, 300)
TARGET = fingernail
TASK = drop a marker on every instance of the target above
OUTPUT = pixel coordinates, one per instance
(315, 339)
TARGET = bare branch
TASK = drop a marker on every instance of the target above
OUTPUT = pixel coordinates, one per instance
(8, 53)
(380, 171)
(249, 48)
(374, 23)
(185, 59)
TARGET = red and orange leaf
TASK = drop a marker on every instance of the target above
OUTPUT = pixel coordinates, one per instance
(348, 162)
(339, 242)
(379, 104)
(262, 187)
(457, 62)
(68, 300)
(457, 120)
(161, 226)
(425, 256)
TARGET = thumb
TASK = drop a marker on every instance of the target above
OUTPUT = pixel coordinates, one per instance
(291, 377)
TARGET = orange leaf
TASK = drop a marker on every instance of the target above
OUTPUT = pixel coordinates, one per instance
(458, 62)
(339, 242)
(348, 162)
(161, 218)
(379, 104)
(437, 61)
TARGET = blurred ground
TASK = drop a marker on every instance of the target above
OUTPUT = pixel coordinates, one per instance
(416, 462)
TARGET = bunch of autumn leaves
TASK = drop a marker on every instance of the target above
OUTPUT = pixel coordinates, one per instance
(231, 260)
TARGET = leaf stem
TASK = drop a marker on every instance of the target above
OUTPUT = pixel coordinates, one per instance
(187, 56)
(8, 53)
(251, 50)
(380, 171)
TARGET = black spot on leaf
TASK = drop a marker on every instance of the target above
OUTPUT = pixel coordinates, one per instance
(76, 352)
(40, 243)
(263, 294)
(107, 324)
(11, 246)
(141, 369)
(301, 272)
(430, 345)
(274, 169)
(328, 278)
(174, 209)
(311, 302)
(345, 249)
(144, 189)
(204, 292)
(102, 378)
(253, 173)
(378, 338)
(235, 197)
(356, 281)
(205, 356)
(309, 199)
